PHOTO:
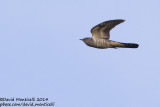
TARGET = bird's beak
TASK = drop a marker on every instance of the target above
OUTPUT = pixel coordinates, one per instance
(80, 39)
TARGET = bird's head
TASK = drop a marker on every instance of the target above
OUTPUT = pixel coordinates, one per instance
(87, 41)
(84, 39)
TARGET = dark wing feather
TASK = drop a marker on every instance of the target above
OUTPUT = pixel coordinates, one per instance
(101, 31)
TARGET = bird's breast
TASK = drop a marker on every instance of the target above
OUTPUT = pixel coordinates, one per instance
(101, 43)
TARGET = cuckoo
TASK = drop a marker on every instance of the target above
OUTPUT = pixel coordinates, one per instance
(101, 35)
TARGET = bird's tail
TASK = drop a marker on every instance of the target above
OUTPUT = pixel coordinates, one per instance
(125, 45)
(129, 45)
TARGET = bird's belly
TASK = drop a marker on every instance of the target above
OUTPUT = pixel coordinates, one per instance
(102, 43)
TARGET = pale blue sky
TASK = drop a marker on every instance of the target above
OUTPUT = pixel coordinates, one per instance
(41, 54)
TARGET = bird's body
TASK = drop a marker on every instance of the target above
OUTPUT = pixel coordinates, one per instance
(100, 37)
(104, 43)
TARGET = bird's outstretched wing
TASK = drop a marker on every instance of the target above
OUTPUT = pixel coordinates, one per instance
(101, 31)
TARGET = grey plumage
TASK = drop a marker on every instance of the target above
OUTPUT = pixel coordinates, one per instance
(101, 35)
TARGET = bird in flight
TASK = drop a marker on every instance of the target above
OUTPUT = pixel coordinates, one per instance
(101, 35)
